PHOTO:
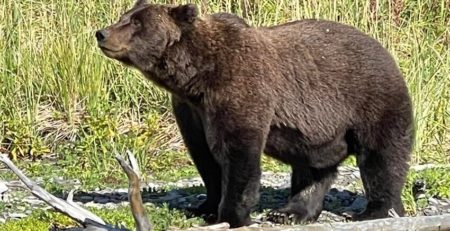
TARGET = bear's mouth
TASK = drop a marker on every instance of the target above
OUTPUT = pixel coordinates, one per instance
(107, 49)
(118, 54)
(113, 53)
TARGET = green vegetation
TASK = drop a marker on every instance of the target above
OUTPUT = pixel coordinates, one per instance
(437, 184)
(66, 109)
(43, 220)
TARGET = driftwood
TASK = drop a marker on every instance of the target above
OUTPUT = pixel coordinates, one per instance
(430, 223)
(68, 207)
(88, 220)
(134, 192)
(91, 222)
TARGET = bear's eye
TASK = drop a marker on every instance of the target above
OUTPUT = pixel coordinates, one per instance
(135, 23)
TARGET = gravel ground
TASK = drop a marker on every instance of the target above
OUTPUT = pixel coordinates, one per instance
(345, 197)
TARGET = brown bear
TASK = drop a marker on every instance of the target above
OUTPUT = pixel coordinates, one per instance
(308, 93)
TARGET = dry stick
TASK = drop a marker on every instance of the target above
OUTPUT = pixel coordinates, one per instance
(135, 198)
(75, 212)
(134, 192)
(89, 220)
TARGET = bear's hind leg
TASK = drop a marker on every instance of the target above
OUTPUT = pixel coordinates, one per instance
(308, 189)
(383, 184)
(383, 163)
(194, 138)
(383, 179)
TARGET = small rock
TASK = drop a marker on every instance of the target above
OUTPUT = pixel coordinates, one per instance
(201, 197)
(419, 187)
(126, 203)
(326, 217)
(15, 183)
(3, 191)
(2, 220)
(20, 208)
(359, 204)
(86, 198)
(420, 196)
(122, 191)
(110, 205)
(345, 202)
(34, 201)
(431, 211)
(329, 198)
(91, 204)
(151, 187)
(170, 196)
(17, 215)
(433, 201)
(101, 199)
(343, 195)
(3, 187)
(334, 191)
(114, 200)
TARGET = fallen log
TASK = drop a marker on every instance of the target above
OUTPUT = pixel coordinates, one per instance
(69, 208)
(88, 220)
(425, 223)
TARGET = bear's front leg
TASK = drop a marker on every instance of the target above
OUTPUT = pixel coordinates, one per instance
(192, 131)
(237, 146)
(241, 173)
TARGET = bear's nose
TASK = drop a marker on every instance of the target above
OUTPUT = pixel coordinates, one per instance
(100, 35)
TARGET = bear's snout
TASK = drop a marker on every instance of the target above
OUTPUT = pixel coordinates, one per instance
(101, 35)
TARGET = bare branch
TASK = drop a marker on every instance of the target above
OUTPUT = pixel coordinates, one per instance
(75, 212)
(134, 192)
(134, 164)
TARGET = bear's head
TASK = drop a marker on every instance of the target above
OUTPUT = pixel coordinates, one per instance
(143, 33)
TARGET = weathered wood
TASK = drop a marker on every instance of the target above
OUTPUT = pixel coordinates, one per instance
(134, 192)
(428, 223)
(90, 221)
(75, 212)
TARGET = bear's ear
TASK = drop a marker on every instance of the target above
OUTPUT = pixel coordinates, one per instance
(184, 13)
(140, 3)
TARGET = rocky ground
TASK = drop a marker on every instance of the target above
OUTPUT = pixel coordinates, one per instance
(344, 198)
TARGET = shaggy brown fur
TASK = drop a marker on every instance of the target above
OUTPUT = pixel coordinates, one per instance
(308, 93)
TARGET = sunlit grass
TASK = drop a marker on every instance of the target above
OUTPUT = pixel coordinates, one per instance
(61, 98)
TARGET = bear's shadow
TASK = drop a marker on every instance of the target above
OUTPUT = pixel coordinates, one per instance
(336, 201)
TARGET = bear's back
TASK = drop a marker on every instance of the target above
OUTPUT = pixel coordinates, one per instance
(230, 19)
(334, 69)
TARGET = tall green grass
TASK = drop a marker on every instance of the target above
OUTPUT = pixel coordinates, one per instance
(58, 90)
